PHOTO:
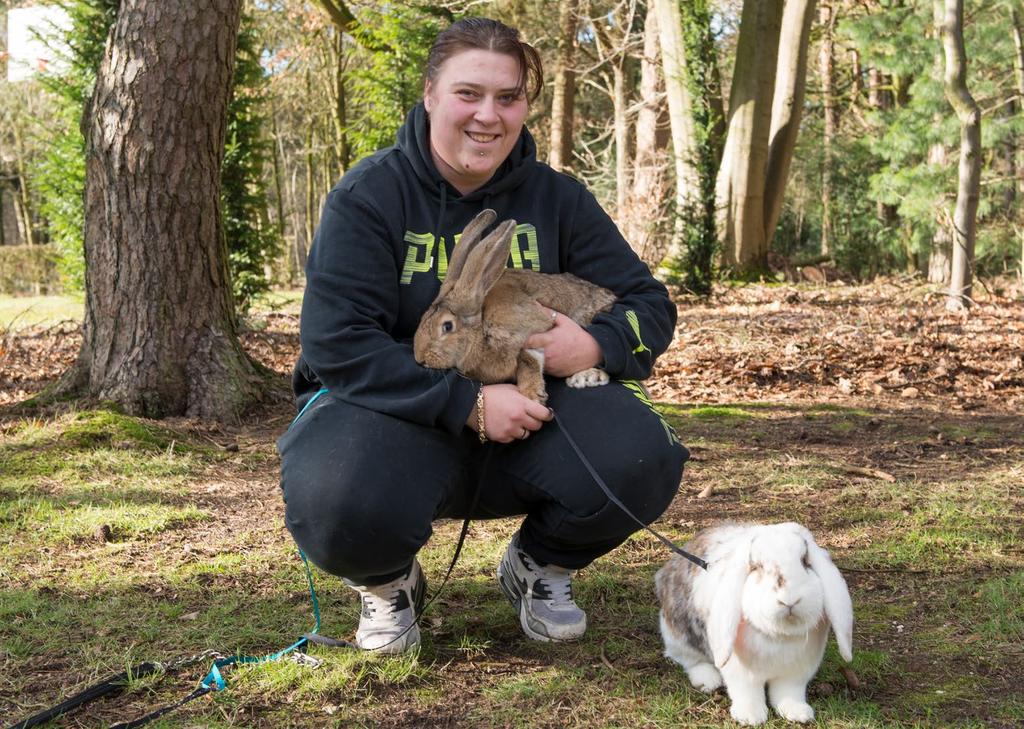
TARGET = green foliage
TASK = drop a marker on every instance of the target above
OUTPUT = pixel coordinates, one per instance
(897, 161)
(701, 243)
(395, 41)
(60, 174)
(252, 242)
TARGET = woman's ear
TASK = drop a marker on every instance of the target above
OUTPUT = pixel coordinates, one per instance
(428, 101)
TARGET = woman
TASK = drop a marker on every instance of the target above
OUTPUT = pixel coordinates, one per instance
(382, 446)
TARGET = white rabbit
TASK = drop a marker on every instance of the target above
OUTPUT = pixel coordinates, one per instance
(758, 615)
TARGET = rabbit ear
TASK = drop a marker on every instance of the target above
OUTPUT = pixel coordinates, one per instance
(467, 242)
(838, 606)
(484, 266)
(726, 609)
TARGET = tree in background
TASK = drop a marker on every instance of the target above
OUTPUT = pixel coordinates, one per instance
(762, 127)
(563, 86)
(697, 267)
(969, 170)
(60, 173)
(891, 141)
(159, 335)
(252, 241)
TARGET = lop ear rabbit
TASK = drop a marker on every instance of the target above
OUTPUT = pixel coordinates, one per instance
(485, 312)
(759, 615)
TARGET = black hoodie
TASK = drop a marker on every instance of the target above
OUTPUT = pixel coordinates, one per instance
(374, 268)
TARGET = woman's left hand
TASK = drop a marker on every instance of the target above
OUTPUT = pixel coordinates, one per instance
(568, 347)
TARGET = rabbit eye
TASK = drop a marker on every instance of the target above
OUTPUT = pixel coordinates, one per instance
(806, 560)
(447, 327)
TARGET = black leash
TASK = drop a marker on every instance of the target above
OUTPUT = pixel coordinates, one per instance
(109, 685)
(615, 500)
(119, 681)
(113, 684)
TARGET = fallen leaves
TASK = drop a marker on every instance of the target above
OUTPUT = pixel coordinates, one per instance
(882, 341)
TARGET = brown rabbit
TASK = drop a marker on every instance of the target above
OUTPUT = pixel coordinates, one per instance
(485, 312)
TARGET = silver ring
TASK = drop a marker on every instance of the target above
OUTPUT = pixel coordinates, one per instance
(525, 434)
(554, 316)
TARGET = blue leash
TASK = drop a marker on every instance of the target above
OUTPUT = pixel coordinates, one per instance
(213, 681)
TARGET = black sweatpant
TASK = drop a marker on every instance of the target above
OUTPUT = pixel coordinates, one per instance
(362, 489)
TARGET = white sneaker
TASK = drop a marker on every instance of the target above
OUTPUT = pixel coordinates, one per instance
(541, 595)
(387, 623)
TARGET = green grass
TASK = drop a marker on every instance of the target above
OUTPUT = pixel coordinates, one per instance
(19, 312)
(191, 562)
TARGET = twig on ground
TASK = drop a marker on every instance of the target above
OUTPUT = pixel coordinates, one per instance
(606, 662)
(851, 677)
(870, 472)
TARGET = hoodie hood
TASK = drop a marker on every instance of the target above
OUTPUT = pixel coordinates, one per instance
(414, 141)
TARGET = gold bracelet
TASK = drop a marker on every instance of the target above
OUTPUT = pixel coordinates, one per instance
(480, 415)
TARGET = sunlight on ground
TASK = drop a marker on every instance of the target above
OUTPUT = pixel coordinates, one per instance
(19, 312)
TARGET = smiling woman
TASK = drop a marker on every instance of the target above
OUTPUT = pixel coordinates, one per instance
(383, 446)
(476, 114)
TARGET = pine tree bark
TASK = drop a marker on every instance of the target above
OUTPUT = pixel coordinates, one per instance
(564, 88)
(787, 107)
(740, 189)
(969, 169)
(159, 335)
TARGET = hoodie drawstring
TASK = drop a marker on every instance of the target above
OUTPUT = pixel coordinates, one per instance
(440, 214)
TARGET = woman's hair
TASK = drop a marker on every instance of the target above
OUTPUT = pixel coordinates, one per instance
(488, 35)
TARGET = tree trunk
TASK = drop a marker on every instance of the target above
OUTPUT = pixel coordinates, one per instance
(857, 85)
(969, 170)
(1018, 65)
(939, 262)
(620, 99)
(310, 217)
(826, 69)
(940, 255)
(299, 246)
(278, 183)
(680, 109)
(159, 336)
(23, 201)
(3, 42)
(787, 106)
(335, 87)
(646, 209)
(564, 88)
(741, 180)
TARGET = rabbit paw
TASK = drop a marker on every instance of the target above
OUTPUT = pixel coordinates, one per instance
(704, 677)
(749, 713)
(592, 377)
(793, 710)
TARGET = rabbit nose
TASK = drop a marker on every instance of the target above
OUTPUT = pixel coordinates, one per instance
(788, 605)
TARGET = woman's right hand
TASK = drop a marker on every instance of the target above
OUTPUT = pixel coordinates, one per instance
(509, 415)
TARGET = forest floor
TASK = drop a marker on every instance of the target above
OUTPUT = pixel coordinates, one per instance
(891, 428)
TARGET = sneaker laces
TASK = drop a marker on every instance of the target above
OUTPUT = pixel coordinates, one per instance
(556, 580)
(381, 604)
